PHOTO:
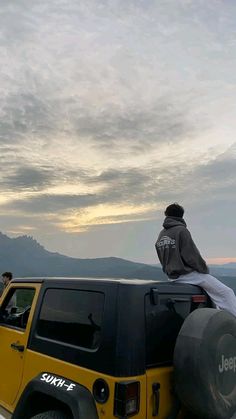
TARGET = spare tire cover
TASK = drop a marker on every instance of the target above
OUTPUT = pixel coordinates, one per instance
(205, 364)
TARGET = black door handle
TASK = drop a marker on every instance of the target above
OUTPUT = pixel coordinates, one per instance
(18, 347)
(156, 398)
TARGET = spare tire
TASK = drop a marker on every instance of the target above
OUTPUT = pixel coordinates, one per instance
(205, 364)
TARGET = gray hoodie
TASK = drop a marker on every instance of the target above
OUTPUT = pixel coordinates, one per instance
(176, 250)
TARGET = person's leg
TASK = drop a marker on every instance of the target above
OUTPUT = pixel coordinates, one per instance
(221, 295)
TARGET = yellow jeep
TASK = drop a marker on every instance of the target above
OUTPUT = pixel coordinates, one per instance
(103, 348)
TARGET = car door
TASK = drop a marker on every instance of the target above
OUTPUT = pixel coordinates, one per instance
(17, 306)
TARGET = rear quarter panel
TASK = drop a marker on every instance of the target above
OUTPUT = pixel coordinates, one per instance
(37, 363)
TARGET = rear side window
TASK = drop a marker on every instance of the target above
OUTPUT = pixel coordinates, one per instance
(72, 317)
(162, 328)
(166, 309)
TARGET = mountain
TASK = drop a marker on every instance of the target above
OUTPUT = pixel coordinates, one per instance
(230, 265)
(228, 269)
(24, 256)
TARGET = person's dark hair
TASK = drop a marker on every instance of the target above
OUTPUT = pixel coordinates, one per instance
(174, 210)
(8, 275)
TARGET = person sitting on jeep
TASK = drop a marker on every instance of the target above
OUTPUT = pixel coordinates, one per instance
(182, 262)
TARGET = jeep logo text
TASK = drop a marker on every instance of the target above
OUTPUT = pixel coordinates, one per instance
(227, 364)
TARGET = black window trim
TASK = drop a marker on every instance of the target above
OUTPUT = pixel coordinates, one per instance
(103, 359)
(61, 343)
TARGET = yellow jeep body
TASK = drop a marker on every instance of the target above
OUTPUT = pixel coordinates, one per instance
(26, 357)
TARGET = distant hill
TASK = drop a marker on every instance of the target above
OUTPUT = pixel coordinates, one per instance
(229, 269)
(24, 256)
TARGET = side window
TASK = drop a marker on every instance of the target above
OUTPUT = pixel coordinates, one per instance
(72, 317)
(16, 307)
(162, 327)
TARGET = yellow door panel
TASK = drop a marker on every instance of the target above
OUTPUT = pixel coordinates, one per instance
(11, 361)
(13, 344)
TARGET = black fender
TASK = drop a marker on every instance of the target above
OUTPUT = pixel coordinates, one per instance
(75, 396)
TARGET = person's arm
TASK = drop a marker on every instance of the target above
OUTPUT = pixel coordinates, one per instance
(190, 253)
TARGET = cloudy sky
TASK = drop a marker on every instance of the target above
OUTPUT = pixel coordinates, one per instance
(110, 110)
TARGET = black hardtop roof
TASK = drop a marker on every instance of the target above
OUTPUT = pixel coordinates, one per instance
(163, 286)
(79, 279)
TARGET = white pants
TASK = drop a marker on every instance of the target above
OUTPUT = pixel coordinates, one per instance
(222, 296)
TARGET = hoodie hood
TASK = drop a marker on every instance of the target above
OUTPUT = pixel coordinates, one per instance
(170, 222)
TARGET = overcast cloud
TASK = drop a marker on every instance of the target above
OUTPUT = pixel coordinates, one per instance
(110, 110)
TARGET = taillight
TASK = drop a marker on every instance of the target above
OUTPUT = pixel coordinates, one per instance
(199, 298)
(127, 396)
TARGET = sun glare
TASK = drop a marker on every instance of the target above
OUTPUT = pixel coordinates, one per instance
(103, 214)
